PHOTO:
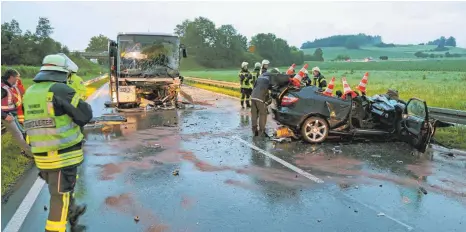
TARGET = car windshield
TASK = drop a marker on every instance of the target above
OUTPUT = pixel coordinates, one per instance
(148, 55)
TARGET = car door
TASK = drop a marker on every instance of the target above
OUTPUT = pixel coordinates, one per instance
(415, 127)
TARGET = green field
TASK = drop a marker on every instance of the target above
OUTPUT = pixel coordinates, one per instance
(398, 52)
(439, 89)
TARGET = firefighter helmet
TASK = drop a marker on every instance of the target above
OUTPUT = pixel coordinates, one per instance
(244, 64)
(257, 65)
(265, 62)
(58, 62)
(316, 69)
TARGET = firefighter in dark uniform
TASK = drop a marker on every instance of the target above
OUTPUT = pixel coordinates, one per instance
(256, 73)
(260, 99)
(319, 79)
(53, 114)
(265, 66)
(245, 79)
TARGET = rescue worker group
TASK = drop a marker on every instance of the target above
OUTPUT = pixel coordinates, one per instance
(255, 88)
(51, 114)
(47, 121)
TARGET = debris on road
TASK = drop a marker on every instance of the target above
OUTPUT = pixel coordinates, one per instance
(423, 190)
(336, 149)
(281, 140)
(45, 208)
(399, 161)
(136, 219)
(176, 172)
(376, 156)
(319, 220)
(380, 214)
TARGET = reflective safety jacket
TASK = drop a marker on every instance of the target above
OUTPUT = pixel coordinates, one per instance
(77, 83)
(10, 101)
(320, 81)
(245, 79)
(20, 91)
(255, 75)
(52, 124)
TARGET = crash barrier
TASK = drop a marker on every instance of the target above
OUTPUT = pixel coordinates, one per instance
(448, 115)
(86, 83)
(223, 84)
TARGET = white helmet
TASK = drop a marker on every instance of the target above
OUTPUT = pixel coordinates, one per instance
(244, 64)
(257, 65)
(58, 62)
(265, 62)
(306, 72)
(316, 69)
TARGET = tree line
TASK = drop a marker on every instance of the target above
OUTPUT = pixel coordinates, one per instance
(224, 46)
(28, 48)
(442, 42)
(348, 41)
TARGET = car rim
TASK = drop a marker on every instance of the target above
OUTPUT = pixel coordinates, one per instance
(316, 130)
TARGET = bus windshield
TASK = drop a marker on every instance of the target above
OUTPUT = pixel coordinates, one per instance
(148, 55)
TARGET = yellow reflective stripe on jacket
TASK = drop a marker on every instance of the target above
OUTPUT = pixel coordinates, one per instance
(55, 161)
(42, 131)
(51, 143)
(75, 100)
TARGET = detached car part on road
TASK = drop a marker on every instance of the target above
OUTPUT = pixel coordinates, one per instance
(314, 116)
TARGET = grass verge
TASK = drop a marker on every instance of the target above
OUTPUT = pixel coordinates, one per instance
(13, 164)
(454, 137)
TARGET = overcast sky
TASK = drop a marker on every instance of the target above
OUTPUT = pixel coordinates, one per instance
(397, 22)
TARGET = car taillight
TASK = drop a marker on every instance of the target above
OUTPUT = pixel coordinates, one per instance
(287, 100)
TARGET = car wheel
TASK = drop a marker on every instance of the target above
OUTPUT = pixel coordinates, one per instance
(315, 130)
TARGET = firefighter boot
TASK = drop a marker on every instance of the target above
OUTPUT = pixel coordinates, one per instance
(78, 228)
(75, 213)
(255, 131)
(248, 104)
(242, 104)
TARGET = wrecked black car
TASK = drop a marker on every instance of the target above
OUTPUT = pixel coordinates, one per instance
(313, 116)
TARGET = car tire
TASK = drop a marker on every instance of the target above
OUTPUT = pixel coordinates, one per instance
(315, 135)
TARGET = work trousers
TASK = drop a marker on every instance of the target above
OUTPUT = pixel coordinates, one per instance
(246, 96)
(258, 111)
(61, 185)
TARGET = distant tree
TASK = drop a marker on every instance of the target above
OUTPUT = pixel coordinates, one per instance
(65, 50)
(340, 41)
(98, 44)
(432, 55)
(342, 57)
(451, 41)
(352, 43)
(421, 44)
(318, 55)
(383, 57)
(441, 42)
(44, 29)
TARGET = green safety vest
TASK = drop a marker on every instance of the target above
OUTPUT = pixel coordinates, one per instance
(48, 133)
(245, 83)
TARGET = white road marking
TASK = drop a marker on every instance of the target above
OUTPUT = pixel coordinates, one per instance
(284, 163)
(386, 215)
(20, 215)
(316, 179)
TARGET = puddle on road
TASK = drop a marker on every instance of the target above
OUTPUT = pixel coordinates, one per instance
(126, 204)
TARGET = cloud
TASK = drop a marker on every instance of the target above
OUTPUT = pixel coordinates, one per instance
(297, 22)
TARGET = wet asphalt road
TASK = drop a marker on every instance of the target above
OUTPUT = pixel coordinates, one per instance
(224, 185)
